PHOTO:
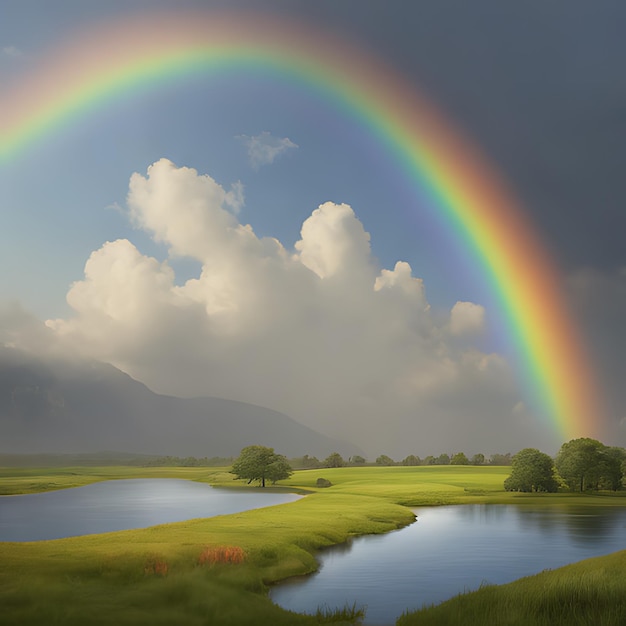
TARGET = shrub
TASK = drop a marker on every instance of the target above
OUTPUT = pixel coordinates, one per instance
(323, 482)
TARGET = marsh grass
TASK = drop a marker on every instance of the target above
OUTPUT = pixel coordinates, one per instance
(231, 555)
(589, 593)
(347, 614)
(155, 566)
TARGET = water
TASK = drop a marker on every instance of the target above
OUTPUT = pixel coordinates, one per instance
(450, 550)
(120, 505)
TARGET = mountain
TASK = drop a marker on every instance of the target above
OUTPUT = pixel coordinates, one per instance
(86, 406)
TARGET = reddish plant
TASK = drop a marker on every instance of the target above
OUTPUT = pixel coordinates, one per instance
(222, 554)
(155, 566)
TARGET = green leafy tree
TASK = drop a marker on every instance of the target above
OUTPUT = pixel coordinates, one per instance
(459, 459)
(411, 460)
(334, 460)
(613, 468)
(258, 463)
(532, 470)
(357, 459)
(383, 459)
(430, 460)
(582, 463)
(442, 459)
(478, 459)
(309, 462)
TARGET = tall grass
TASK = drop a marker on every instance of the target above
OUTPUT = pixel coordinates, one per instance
(230, 555)
(589, 593)
(348, 614)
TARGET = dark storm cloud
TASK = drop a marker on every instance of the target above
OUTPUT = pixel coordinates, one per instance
(539, 88)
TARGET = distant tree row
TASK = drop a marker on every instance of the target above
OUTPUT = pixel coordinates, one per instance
(336, 460)
(189, 461)
(581, 465)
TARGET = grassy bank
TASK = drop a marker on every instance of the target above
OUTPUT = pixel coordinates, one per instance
(19, 480)
(588, 593)
(185, 573)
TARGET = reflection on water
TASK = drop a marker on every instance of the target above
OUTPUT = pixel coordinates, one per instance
(452, 549)
(584, 525)
(121, 505)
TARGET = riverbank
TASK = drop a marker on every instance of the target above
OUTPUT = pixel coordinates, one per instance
(155, 575)
(588, 593)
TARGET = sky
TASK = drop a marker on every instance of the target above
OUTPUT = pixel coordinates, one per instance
(239, 237)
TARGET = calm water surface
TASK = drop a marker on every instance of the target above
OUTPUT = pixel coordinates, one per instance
(449, 550)
(121, 505)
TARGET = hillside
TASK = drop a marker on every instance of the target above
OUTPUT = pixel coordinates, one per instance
(80, 406)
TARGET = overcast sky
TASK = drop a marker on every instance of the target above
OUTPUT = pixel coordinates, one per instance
(290, 273)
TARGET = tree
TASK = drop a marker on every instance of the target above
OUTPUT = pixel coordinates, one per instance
(383, 459)
(478, 459)
(588, 464)
(411, 460)
(278, 469)
(334, 460)
(357, 459)
(532, 470)
(442, 459)
(459, 459)
(430, 460)
(614, 468)
(580, 461)
(258, 463)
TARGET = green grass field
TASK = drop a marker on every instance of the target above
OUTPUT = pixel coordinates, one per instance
(155, 575)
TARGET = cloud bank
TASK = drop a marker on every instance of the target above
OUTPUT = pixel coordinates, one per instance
(317, 331)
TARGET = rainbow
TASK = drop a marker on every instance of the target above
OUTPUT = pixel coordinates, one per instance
(118, 58)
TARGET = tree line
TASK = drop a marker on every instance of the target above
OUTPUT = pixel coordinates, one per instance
(460, 458)
(581, 465)
(261, 464)
(188, 461)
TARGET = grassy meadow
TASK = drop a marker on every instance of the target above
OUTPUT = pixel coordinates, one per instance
(217, 570)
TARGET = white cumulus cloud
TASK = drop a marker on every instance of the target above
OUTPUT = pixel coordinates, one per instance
(467, 318)
(315, 329)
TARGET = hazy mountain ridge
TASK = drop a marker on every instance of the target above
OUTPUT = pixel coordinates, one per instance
(80, 406)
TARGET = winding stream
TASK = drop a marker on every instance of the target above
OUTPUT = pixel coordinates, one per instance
(451, 549)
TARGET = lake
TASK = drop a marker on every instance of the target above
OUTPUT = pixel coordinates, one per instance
(449, 550)
(120, 505)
